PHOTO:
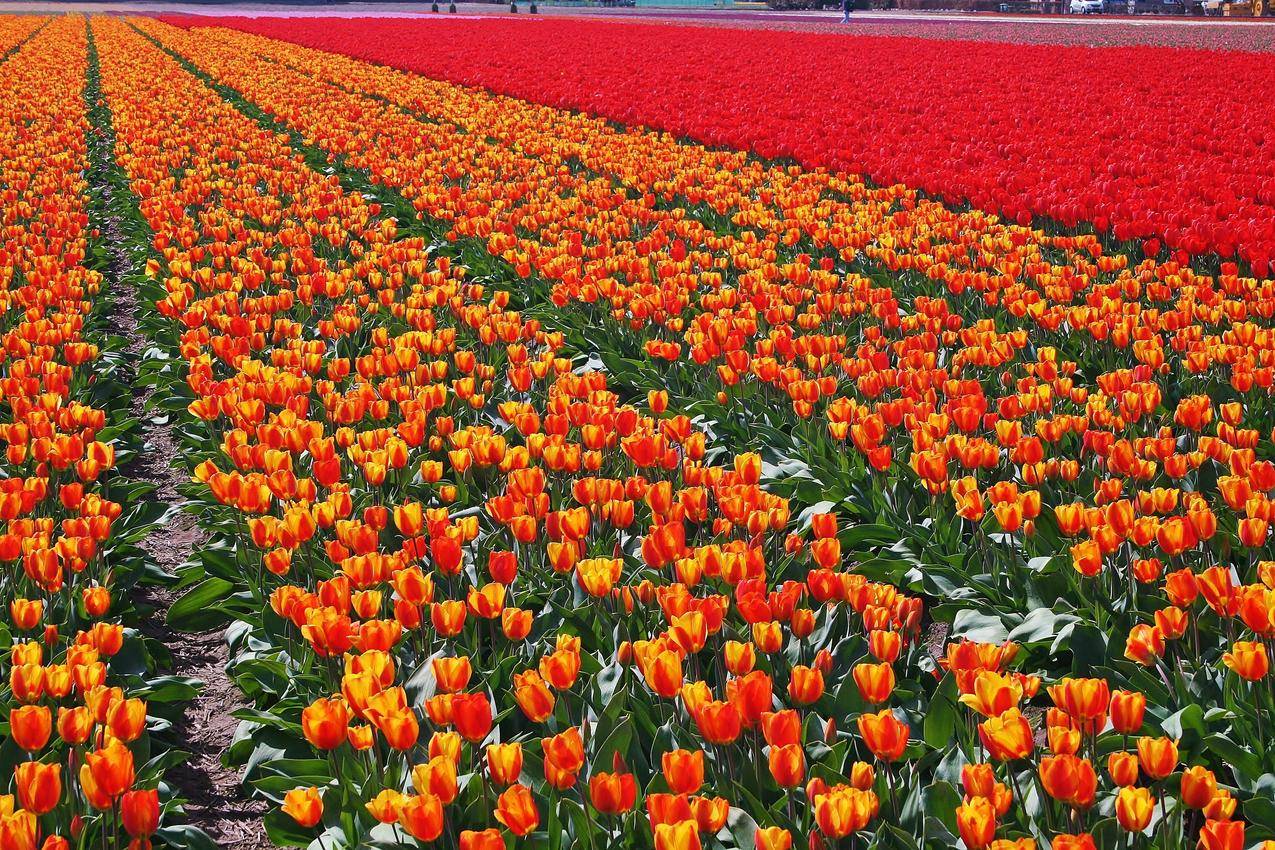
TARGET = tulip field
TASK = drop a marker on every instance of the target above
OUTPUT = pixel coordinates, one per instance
(592, 452)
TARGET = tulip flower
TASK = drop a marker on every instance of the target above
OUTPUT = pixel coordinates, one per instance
(111, 769)
(1248, 660)
(31, 726)
(1127, 709)
(787, 765)
(976, 822)
(772, 838)
(885, 735)
(325, 723)
(504, 762)
(516, 809)
(139, 811)
(1199, 787)
(677, 836)
(472, 715)
(806, 685)
(304, 805)
(1122, 768)
(1222, 835)
(39, 786)
(874, 681)
(1134, 807)
(613, 793)
(1007, 737)
(1157, 756)
(422, 816)
(683, 770)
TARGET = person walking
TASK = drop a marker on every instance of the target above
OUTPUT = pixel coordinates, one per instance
(847, 6)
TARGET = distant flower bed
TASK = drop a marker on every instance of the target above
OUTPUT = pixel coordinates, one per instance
(1149, 143)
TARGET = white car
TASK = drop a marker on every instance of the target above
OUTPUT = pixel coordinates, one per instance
(1085, 7)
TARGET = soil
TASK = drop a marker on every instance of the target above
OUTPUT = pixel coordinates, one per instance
(214, 798)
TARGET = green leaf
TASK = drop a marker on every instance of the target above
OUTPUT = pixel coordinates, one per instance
(941, 801)
(941, 718)
(977, 626)
(1241, 760)
(201, 608)
(283, 831)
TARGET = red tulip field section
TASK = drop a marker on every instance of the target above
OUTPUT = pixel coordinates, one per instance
(569, 484)
(1167, 146)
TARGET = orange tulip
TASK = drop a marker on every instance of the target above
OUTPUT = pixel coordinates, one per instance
(18, 830)
(710, 813)
(30, 726)
(976, 822)
(772, 838)
(1222, 835)
(844, 811)
(325, 723)
(516, 809)
(304, 805)
(452, 674)
(1069, 779)
(787, 765)
(613, 793)
(1127, 710)
(39, 786)
(663, 674)
(111, 768)
(533, 696)
(1145, 644)
(781, 727)
(74, 725)
(1085, 700)
(993, 693)
(487, 839)
(139, 811)
(1123, 768)
(437, 778)
(874, 681)
(739, 657)
(885, 735)
(472, 716)
(504, 762)
(422, 816)
(667, 808)
(1158, 756)
(806, 685)
(1199, 787)
(1134, 807)
(719, 722)
(515, 623)
(127, 719)
(683, 770)
(1007, 737)
(677, 836)
(1248, 660)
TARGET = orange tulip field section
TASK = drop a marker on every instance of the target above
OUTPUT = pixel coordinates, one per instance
(572, 485)
(78, 694)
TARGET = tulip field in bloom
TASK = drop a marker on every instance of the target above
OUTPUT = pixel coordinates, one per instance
(566, 483)
(1065, 134)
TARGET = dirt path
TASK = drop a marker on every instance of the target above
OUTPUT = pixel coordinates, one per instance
(215, 802)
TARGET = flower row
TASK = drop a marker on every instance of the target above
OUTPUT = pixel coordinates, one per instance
(993, 125)
(78, 760)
